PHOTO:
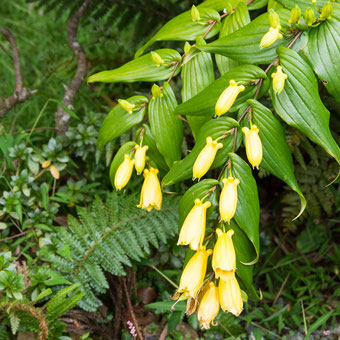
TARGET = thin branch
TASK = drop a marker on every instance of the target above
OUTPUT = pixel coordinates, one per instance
(21, 93)
(62, 116)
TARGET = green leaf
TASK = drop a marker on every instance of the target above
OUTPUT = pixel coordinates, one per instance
(323, 52)
(166, 128)
(244, 44)
(247, 214)
(43, 294)
(70, 112)
(277, 158)
(245, 253)
(299, 104)
(141, 69)
(230, 24)
(119, 121)
(153, 153)
(166, 306)
(319, 322)
(183, 28)
(214, 128)
(199, 190)
(203, 104)
(55, 279)
(220, 5)
(196, 75)
(118, 159)
(303, 4)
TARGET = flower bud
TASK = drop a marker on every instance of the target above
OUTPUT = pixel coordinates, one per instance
(156, 91)
(193, 229)
(208, 307)
(151, 194)
(309, 16)
(228, 198)
(227, 98)
(326, 11)
(274, 19)
(140, 158)
(270, 37)
(224, 257)
(229, 293)
(124, 172)
(279, 80)
(206, 158)
(157, 59)
(194, 273)
(295, 15)
(187, 48)
(124, 104)
(195, 14)
(253, 145)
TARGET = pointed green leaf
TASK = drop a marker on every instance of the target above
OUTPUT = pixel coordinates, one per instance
(118, 159)
(152, 153)
(165, 126)
(184, 28)
(323, 51)
(277, 158)
(214, 128)
(141, 69)
(303, 4)
(119, 121)
(196, 75)
(299, 104)
(230, 24)
(202, 189)
(220, 5)
(203, 104)
(244, 44)
(247, 214)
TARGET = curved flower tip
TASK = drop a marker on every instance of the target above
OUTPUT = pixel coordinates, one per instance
(279, 80)
(253, 145)
(270, 37)
(227, 98)
(224, 257)
(193, 229)
(205, 158)
(140, 158)
(194, 273)
(124, 172)
(209, 306)
(230, 296)
(151, 194)
(228, 198)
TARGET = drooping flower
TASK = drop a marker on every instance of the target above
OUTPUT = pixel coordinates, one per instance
(124, 172)
(151, 194)
(194, 273)
(193, 229)
(224, 257)
(227, 98)
(124, 104)
(140, 158)
(230, 296)
(206, 158)
(270, 37)
(279, 80)
(208, 307)
(253, 145)
(228, 198)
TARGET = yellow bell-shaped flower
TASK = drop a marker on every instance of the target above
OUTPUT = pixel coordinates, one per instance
(140, 158)
(193, 229)
(279, 80)
(270, 37)
(224, 257)
(227, 98)
(228, 198)
(205, 158)
(151, 194)
(253, 145)
(194, 273)
(124, 172)
(128, 107)
(229, 293)
(209, 307)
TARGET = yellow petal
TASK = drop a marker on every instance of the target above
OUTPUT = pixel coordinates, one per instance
(230, 296)
(228, 198)
(140, 158)
(279, 80)
(124, 172)
(54, 172)
(270, 37)
(253, 145)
